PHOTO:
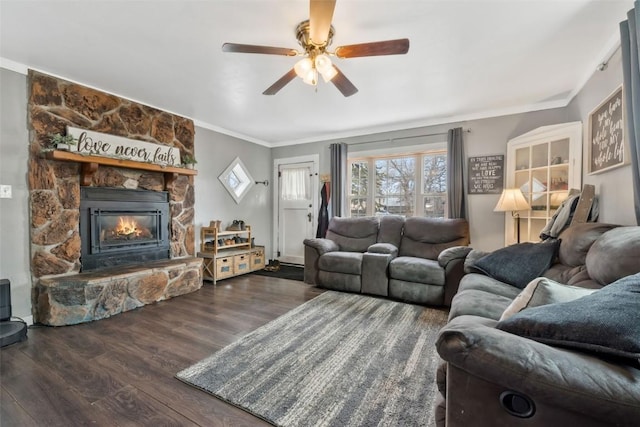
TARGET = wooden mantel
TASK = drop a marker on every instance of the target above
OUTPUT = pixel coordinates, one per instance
(90, 165)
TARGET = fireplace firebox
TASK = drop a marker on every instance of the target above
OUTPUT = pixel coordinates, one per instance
(122, 227)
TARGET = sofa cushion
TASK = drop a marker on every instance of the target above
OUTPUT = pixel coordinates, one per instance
(391, 229)
(542, 291)
(478, 303)
(341, 262)
(518, 264)
(420, 270)
(427, 237)
(577, 240)
(614, 255)
(353, 234)
(604, 322)
(480, 282)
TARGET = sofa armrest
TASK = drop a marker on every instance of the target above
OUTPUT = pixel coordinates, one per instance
(550, 376)
(383, 248)
(452, 261)
(313, 250)
(322, 246)
(471, 259)
(453, 253)
(375, 273)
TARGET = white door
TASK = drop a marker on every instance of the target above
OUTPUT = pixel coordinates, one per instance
(297, 188)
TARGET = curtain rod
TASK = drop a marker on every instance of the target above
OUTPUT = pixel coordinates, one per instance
(405, 137)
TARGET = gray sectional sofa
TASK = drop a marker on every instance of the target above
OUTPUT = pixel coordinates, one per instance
(416, 260)
(568, 356)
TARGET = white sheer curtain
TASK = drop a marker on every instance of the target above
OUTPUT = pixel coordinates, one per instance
(296, 184)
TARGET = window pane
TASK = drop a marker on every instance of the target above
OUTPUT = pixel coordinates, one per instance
(435, 173)
(434, 206)
(434, 184)
(395, 177)
(359, 178)
(358, 207)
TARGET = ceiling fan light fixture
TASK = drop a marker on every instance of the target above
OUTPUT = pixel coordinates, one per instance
(323, 63)
(311, 78)
(329, 74)
(303, 67)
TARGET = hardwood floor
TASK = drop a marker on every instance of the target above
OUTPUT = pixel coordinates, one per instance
(120, 371)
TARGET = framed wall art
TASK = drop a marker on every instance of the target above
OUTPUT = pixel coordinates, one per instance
(606, 136)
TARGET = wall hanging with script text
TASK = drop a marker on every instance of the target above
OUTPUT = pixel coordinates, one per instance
(606, 134)
(486, 174)
(106, 145)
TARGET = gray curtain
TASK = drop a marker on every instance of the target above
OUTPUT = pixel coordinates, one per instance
(338, 178)
(629, 35)
(455, 174)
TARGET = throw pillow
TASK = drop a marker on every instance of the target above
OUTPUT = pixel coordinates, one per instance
(543, 291)
(604, 322)
(519, 264)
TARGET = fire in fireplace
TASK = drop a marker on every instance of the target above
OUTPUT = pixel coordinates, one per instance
(121, 227)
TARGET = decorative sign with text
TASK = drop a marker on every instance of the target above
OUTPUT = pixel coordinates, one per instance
(105, 145)
(606, 134)
(486, 174)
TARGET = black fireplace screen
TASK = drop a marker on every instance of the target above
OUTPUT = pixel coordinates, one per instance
(121, 227)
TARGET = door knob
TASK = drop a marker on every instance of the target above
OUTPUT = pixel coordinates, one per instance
(309, 216)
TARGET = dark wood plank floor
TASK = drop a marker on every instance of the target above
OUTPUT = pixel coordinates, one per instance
(120, 371)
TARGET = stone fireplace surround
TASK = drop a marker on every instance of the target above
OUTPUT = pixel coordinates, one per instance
(62, 294)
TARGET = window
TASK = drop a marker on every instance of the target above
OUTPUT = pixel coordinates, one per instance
(386, 184)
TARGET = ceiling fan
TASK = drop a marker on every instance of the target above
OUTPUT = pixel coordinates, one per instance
(315, 36)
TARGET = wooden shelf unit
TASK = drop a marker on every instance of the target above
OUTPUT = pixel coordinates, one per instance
(228, 260)
(90, 165)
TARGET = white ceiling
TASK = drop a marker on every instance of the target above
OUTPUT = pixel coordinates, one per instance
(468, 59)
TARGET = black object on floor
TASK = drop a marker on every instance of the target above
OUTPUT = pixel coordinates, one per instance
(286, 271)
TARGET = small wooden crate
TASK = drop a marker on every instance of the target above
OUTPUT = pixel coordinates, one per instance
(241, 263)
(257, 259)
(224, 267)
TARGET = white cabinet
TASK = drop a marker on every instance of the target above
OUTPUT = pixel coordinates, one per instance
(545, 164)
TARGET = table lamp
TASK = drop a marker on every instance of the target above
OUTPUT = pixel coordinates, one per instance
(512, 200)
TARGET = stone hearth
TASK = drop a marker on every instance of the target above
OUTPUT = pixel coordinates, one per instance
(54, 188)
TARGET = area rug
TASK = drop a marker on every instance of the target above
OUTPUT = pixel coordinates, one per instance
(338, 360)
(286, 271)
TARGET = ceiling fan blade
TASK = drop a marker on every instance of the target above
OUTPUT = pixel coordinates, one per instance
(320, 16)
(250, 48)
(388, 47)
(282, 82)
(343, 84)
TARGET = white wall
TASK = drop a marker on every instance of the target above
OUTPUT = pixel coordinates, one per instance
(14, 212)
(214, 152)
(613, 187)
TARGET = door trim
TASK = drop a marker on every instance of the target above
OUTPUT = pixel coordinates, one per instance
(315, 159)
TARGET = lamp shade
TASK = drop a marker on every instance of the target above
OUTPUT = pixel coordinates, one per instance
(511, 199)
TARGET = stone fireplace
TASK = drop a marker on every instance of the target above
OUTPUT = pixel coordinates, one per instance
(85, 227)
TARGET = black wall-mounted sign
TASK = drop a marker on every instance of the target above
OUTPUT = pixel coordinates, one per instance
(486, 174)
(606, 134)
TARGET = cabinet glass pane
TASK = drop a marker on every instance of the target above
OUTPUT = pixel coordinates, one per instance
(556, 199)
(560, 152)
(522, 177)
(559, 178)
(539, 155)
(539, 205)
(522, 158)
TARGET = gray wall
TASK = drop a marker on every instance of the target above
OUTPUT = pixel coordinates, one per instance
(487, 136)
(613, 187)
(214, 152)
(14, 212)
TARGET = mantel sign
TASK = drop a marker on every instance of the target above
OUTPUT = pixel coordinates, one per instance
(105, 145)
(486, 174)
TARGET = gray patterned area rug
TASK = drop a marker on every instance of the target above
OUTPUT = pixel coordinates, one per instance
(337, 360)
